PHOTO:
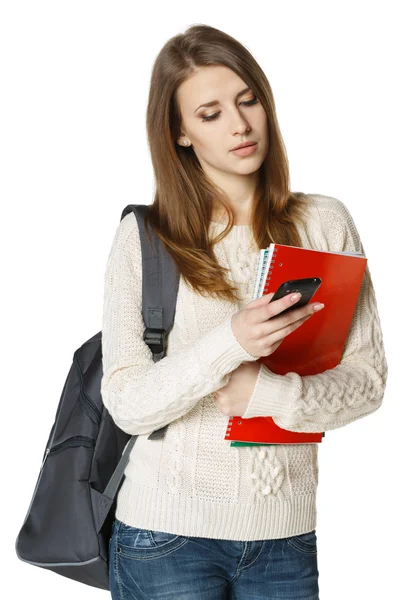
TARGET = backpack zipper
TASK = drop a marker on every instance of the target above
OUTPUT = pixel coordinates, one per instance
(75, 441)
(88, 401)
(42, 465)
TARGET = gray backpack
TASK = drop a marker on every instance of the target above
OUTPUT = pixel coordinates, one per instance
(68, 525)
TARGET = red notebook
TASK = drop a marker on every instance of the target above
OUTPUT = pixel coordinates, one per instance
(317, 345)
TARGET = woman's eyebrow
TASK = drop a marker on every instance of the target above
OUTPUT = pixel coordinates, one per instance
(217, 102)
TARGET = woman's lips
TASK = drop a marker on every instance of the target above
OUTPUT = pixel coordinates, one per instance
(245, 151)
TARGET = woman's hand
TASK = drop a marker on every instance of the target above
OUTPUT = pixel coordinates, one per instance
(234, 397)
(260, 328)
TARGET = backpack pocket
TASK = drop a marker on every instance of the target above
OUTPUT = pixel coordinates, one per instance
(59, 519)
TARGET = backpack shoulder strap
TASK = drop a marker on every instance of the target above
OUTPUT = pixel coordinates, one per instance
(160, 281)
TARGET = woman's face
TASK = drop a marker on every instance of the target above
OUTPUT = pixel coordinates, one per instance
(235, 119)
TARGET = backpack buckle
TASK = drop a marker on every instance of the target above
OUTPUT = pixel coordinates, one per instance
(155, 338)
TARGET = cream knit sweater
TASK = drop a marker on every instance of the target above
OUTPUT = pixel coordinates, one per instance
(193, 483)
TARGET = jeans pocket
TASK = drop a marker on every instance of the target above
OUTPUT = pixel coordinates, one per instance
(139, 543)
(159, 538)
(304, 542)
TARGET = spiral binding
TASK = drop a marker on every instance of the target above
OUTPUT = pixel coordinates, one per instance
(262, 276)
(260, 272)
(229, 427)
(268, 277)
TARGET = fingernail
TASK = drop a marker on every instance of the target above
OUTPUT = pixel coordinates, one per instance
(318, 306)
(295, 296)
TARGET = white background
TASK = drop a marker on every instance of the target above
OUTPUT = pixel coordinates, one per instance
(74, 78)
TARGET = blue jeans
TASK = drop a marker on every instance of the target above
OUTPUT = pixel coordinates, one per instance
(151, 565)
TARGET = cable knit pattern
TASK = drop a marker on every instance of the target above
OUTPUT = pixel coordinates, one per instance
(267, 472)
(193, 482)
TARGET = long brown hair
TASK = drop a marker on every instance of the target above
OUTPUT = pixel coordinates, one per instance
(184, 196)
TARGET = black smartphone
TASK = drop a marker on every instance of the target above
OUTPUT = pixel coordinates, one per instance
(307, 288)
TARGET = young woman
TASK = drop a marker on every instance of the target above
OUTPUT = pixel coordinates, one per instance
(196, 518)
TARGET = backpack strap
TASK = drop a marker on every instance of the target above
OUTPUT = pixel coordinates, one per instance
(160, 281)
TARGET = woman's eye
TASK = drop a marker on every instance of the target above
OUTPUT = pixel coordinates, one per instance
(247, 103)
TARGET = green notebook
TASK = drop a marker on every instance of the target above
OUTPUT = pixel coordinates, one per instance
(250, 444)
(258, 444)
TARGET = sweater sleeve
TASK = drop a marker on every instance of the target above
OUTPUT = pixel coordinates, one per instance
(141, 395)
(352, 389)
